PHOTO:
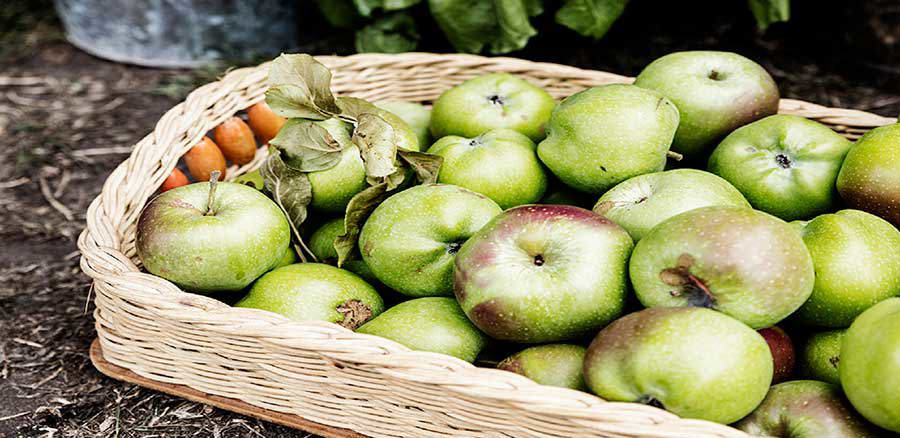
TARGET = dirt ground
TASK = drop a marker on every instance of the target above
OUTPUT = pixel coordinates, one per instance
(66, 119)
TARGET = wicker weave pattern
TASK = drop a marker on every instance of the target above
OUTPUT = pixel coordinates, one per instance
(321, 371)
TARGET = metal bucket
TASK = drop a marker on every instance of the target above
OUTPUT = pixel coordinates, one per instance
(179, 33)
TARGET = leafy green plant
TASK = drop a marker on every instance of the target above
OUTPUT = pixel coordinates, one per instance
(498, 26)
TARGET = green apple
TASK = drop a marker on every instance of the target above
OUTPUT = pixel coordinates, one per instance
(715, 92)
(870, 360)
(321, 243)
(821, 357)
(786, 165)
(543, 273)
(742, 262)
(602, 136)
(500, 164)
(693, 362)
(640, 203)
(492, 101)
(411, 239)
(208, 243)
(435, 324)
(550, 364)
(870, 176)
(857, 260)
(416, 115)
(252, 179)
(289, 258)
(806, 409)
(315, 292)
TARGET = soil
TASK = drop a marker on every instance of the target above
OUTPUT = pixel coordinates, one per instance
(67, 118)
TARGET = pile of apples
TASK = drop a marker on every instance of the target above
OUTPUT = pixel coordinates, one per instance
(713, 219)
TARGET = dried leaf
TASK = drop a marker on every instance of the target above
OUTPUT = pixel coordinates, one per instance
(353, 107)
(291, 190)
(300, 86)
(375, 139)
(308, 146)
(358, 210)
(427, 166)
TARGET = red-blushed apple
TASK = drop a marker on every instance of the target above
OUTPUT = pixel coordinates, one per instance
(807, 409)
(870, 175)
(693, 362)
(543, 273)
(739, 261)
(783, 354)
(211, 240)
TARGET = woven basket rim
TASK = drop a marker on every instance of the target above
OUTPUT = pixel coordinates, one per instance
(112, 214)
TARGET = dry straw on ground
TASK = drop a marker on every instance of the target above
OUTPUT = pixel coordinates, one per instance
(320, 371)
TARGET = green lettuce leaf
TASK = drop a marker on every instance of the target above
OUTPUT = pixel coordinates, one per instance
(591, 18)
(340, 13)
(394, 33)
(366, 7)
(767, 12)
(471, 25)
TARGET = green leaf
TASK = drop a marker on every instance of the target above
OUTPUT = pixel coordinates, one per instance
(534, 7)
(767, 12)
(591, 18)
(300, 86)
(358, 210)
(472, 25)
(307, 146)
(353, 107)
(426, 166)
(394, 33)
(377, 145)
(366, 7)
(340, 13)
(291, 190)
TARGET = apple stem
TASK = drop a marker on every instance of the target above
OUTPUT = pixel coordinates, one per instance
(674, 155)
(213, 183)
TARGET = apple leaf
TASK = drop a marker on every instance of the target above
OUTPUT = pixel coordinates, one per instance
(471, 25)
(375, 139)
(358, 210)
(427, 166)
(591, 18)
(394, 33)
(307, 146)
(300, 86)
(768, 12)
(353, 107)
(291, 190)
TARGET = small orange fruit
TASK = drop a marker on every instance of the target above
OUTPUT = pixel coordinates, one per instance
(204, 158)
(236, 141)
(264, 121)
(176, 179)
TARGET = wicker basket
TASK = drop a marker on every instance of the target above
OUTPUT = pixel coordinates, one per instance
(320, 371)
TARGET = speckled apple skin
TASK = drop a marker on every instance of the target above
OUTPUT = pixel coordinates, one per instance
(500, 164)
(755, 265)
(710, 108)
(870, 358)
(604, 135)
(468, 111)
(579, 286)
(226, 251)
(785, 165)
(416, 116)
(640, 203)
(409, 241)
(870, 176)
(857, 261)
(696, 362)
(551, 364)
(333, 188)
(807, 409)
(321, 243)
(821, 357)
(434, 324)
(310, 292)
